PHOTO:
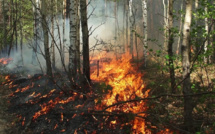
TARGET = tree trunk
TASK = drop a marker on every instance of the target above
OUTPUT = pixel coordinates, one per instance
(73, 41)
(188, 107)
(21, 33)
(123, 28)
(127, 4)
(170, 47)
(165, 25)
(46, 38)
(131, 27)
(207, 31)
(78, 39)
(36, 30)
(85, 39)
(52, 39)
(64, 39)
(180, 29)
(4, 25)
(145, 31)
(15, 25)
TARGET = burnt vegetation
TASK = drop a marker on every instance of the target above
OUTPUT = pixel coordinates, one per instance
(107, 66)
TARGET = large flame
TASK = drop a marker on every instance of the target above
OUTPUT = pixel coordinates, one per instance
(127, 85)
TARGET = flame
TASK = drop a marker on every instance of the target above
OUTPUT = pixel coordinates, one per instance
(63, 130)
(55, 126)
(46, 107)
(5, 61)
(23, 121)
(61, 116)
(127, 85)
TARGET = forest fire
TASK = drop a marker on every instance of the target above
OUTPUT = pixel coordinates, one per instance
(127, 85)
(5, 61)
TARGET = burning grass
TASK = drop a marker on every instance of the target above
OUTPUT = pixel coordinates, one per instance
(127, 84)
(42, 107)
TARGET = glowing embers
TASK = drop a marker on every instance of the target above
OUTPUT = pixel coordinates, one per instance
(46, 107)
(5, 61)
(127, 85)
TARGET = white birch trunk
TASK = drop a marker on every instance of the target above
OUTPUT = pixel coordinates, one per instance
(180, 30)
(145, 31)
(207, 30)
(188, 104)
(73, 40)
(131, 26)
(165, 14)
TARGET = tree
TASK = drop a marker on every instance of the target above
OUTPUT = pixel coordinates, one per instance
(188, 107)
(73, 40)
(170, 47)
(165, 24)
(207, 31)
(85, 39)
(36, 28)
(145, 26)
(131, 18)
(4, 24)
(46, 38)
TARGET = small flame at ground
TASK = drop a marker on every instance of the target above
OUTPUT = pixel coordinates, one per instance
(5, 61)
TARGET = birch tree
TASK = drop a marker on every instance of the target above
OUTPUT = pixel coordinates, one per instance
(73, 40)
(207, 31)
(126, 31)
(64, 39)
(188, 107)
(145, 31)
(165, 23)
(131, 18)
(180, 29)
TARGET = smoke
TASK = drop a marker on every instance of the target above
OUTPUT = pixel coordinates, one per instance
(102, 29)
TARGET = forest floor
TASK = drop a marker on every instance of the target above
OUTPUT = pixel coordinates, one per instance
(5, 117)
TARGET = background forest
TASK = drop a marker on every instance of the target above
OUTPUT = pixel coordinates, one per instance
(108, 66)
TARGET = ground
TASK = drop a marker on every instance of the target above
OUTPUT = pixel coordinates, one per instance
(4, 117)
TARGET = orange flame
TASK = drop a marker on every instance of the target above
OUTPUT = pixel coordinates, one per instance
(5, 61)
(127, 85)
(46, 107)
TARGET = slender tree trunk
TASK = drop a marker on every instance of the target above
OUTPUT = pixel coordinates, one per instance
(207, 31)
(73, 41)
(145, 31)
(15, 26)
(85, 39)
(46, 38)
(136, 45)
(21, 32)
(188, 104)
(78, 39)
(170, 47)
(123, 28)
(131, 27)
(36, 29)
(64, 39)
(165, 25)
(52, 39)
(180, 28)
(4, 25)
(127, 4)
